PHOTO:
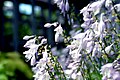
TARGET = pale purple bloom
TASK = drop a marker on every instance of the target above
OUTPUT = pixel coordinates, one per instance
(57, 1)
(33, 60)
(96, 6)
(67, 6)
(109, 71)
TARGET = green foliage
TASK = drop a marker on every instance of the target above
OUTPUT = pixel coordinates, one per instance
(13, 67)
(24, 29)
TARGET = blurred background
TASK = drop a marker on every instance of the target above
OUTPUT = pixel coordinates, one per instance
(26, 17)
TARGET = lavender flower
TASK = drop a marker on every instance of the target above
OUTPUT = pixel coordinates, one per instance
(109, 72)
(63, 5)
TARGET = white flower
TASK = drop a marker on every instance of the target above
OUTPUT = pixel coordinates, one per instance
(74, 54)
(43, 41)
(101, 25)
(30, 54)
(106, 69)
(116, 75)
(109, 72)
(41, 76)
(28, 37)
(58, 34)
(89, 46)
(33, 61)
(71, 46)
(108, 4)
(79, 76)
(62, 6)
(117, 7)
(74, 76)
(45, 55)
(68, 72)
(30, 43)
(47, 25)
(84, 9)
(58, 37)
(40, 68)
(94, 52)
(59, 29)
(96, 6)
(108, 48)
(57, 1)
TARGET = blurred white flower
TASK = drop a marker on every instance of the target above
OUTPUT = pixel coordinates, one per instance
(57, 1)
(47, 25)
(28, 37)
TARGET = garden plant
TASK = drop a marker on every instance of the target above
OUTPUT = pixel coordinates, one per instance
(91, 49)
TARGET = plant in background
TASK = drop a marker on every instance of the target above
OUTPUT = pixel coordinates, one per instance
(12, 67)
(92, 49)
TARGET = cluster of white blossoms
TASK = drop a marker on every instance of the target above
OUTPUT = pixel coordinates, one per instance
(88, 49)
(99, 21)
(39, 54)
(58, 30)
(33, 54)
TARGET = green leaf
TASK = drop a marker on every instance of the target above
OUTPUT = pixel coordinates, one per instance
(3, 77)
